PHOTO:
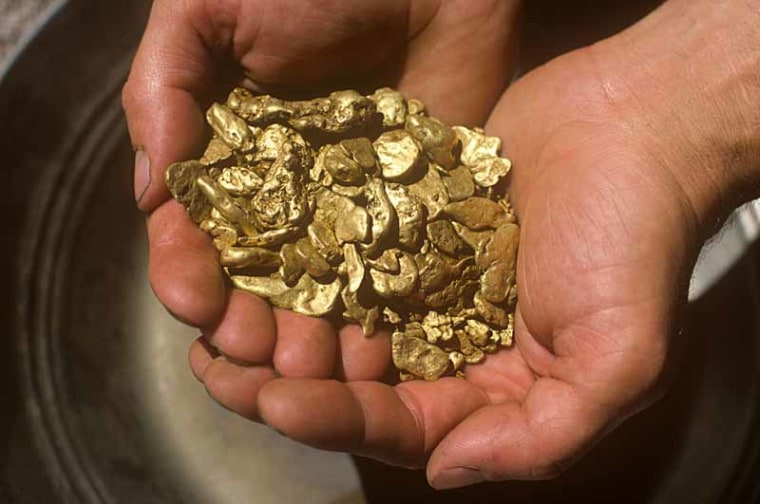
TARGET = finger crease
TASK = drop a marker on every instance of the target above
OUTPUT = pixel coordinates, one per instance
(415, 411)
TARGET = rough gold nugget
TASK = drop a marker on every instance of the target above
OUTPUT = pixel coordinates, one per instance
(365, 206)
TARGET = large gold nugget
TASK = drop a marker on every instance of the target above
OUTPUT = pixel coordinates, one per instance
(366, 207)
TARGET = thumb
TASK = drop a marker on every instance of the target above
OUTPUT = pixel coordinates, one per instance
(535, 439)
(165, 120)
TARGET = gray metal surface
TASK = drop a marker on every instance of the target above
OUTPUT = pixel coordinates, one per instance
(124, 417)
(725, 248)
(19, 22)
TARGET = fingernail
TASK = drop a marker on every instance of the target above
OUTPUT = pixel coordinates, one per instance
(142, 174)
(456, 477)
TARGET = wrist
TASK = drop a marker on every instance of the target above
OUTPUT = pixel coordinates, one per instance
(686, 79)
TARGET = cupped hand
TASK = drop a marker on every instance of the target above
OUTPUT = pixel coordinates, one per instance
(456, 55)
(603, 184)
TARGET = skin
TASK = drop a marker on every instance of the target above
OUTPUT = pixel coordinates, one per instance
(627, 153)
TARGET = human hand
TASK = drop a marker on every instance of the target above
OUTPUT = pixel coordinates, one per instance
(453, 53)
(622, 168)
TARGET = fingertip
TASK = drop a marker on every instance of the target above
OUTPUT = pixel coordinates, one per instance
(184, 302)
(247, 330)
(194, 296)
(183, 269)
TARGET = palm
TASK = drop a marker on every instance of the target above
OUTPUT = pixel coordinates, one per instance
(601, 270)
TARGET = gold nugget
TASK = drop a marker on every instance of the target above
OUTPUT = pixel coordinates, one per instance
(362, 206)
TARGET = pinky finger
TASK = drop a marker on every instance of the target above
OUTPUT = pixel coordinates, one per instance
(201, 354)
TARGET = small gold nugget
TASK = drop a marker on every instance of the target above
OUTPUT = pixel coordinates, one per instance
(365, 206)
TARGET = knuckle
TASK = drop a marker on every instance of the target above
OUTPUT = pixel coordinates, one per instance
(130, 103)
(128, 96)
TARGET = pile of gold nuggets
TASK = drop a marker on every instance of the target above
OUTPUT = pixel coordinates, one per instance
(365, 206)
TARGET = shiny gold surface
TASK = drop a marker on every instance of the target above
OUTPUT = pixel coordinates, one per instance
(366, 207)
